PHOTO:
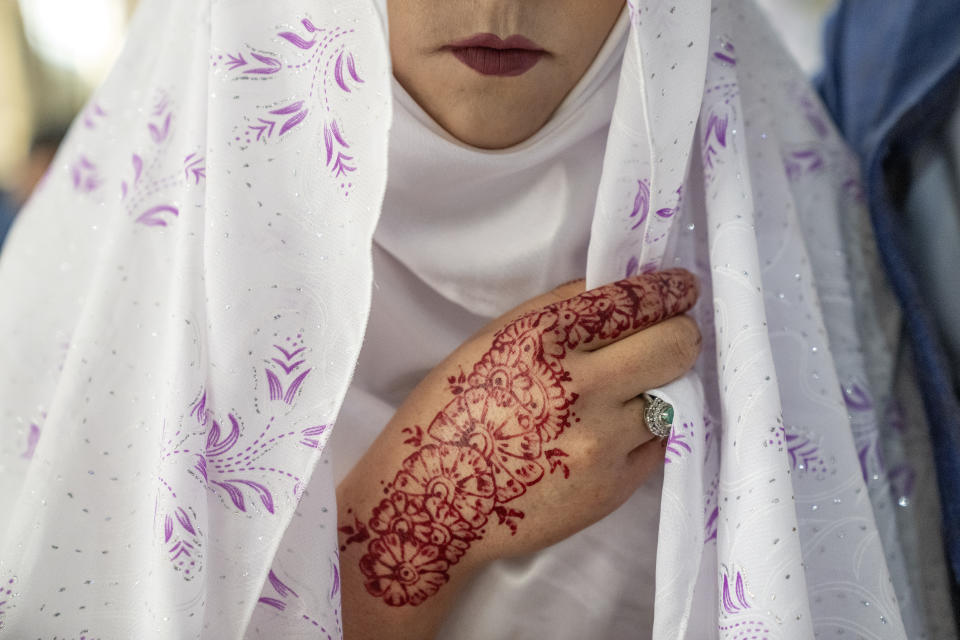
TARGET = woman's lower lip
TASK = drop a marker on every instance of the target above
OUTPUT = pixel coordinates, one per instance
(497, 62)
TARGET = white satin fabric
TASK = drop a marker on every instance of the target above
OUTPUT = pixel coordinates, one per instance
(187, 293)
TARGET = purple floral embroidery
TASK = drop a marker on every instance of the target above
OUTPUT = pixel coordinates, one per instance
(92, 115)
(804, 453)
(677, 445)
(332, 138)
(84, 175)
(641, 203)
(726, 54)
(351, 69)
(6, 596)
(714, 139)
(282, 590)
(216, 454)
(745, 630)
(328, 64)
(153, 217)
(139, 190)
(711, 510)
(856, 398)
(227, 464)
(311, 436)
(717, 127)
(733, 593)
(33, 437)
(193, 164)
(710, 529)
(181, 552)
(285, 597)
(292, 115)
(288, 362)
(803, 162)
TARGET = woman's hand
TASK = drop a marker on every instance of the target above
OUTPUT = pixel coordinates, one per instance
(527, 433)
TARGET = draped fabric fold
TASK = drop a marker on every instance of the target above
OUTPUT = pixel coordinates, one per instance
(189, 288)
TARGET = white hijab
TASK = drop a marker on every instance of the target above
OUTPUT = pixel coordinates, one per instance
(187, 293)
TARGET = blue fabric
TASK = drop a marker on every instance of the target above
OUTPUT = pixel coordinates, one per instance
(891, 76)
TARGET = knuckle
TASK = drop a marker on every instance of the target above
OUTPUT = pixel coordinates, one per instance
(685, 339)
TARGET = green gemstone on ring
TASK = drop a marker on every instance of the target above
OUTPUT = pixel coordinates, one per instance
(667, 414)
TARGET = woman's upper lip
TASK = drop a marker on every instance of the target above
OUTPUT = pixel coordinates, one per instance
(493, 41)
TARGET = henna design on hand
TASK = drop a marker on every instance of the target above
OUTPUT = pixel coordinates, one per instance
(486, 446)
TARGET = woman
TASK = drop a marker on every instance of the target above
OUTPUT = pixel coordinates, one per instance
(186, 335)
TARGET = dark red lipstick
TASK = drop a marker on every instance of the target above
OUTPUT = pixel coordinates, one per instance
(487, 54)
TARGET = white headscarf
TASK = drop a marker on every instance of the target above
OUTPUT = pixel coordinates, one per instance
(185, 301)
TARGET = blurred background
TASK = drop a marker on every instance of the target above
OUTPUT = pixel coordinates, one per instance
(55, 52)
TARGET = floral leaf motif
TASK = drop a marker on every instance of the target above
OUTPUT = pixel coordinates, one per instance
(159, 134)
(296, 40)
(717, 125)
(201, 466)
(733, 599)
(641, 203)
(194, 164)
(279, 586)
(287, 368)
(276, 389)
(272, 65)
(280, 605)
(236, 61)
(331, 138)
(167, 528)
(184, 521)
(294, 387)
(856, 398)
(152, 216)
(804, 453)
(677, 443)
(33, 438)
(726, 54)
(84, 176)
(351, 69)
(711, 526)
(335, 588)
(217, 447)
(236, 493)
(312, 436)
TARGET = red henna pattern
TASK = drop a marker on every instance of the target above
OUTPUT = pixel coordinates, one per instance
(485, 447)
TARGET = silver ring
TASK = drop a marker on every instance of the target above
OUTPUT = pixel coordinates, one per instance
(658, 415)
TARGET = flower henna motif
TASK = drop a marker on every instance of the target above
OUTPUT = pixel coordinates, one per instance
(459, 476)
(403, 570)
(486, 446)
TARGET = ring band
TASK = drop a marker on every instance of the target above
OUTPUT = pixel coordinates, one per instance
(658, 415)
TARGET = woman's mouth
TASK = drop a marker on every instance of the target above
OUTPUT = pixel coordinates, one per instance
(487, 54)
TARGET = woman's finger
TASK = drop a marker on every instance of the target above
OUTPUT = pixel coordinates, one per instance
(634, 432)
(644, 360)
(601, 316)
(645, 459)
